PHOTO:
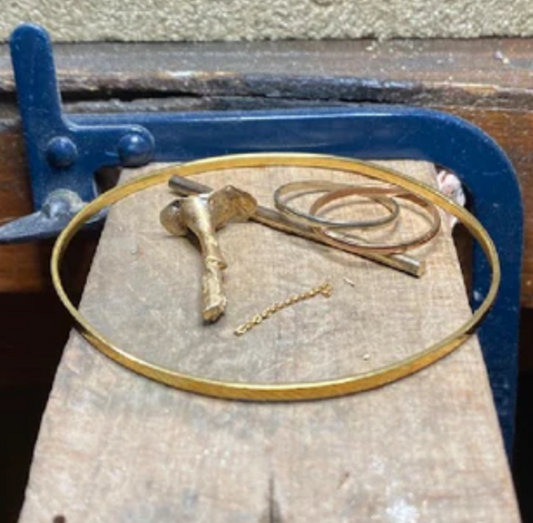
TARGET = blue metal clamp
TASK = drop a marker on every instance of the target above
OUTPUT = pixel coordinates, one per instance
(65, 152)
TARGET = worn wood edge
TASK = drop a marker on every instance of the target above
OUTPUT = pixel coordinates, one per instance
(296, 87)
(401, 71)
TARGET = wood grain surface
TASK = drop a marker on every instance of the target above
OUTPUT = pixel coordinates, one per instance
(116, 447)
(487, 72)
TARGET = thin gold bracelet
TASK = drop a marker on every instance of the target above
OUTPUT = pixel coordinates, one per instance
(279, 391)
(377, 195)
(354, 242)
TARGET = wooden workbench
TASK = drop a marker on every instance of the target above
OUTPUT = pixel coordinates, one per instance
(116, 447)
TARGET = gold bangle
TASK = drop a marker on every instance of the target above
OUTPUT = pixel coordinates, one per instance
(326, 186)
(355, 243)
(280, 391)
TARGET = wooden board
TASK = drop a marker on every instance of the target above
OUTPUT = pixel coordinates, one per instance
(484, 72)
(116, 447)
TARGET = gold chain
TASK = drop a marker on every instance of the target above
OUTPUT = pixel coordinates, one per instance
(325, 289)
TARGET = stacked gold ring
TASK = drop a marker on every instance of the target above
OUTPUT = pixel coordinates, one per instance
(357, 243)
(328, 187)
(279, 391)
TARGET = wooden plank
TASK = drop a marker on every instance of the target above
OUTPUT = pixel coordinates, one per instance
(116, 447)
(489, 72)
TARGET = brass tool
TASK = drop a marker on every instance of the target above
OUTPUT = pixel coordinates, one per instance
(203, 215)
(278, 221)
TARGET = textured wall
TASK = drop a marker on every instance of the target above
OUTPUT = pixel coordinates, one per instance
(163, 20)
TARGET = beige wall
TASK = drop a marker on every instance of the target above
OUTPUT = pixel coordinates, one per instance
(163, 20)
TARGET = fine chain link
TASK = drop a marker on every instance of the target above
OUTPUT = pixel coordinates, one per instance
(326, 289)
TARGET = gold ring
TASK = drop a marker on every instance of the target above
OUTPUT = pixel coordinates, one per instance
(312, 220)
(279, 391)
(357, 243)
